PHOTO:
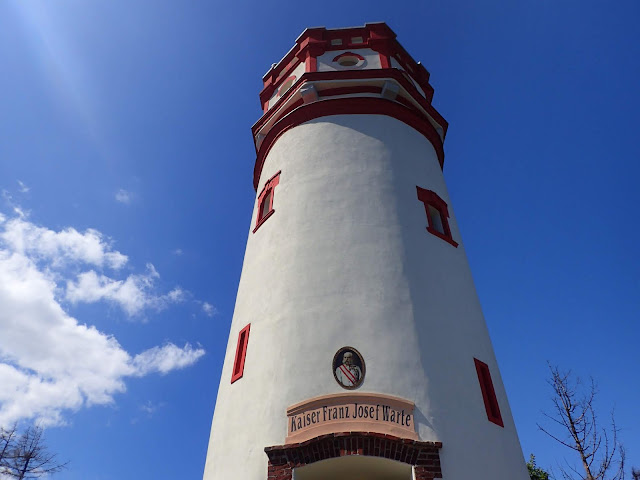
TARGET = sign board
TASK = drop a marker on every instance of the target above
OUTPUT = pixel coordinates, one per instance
(350, 412)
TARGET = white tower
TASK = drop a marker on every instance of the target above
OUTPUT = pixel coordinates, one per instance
(358, 349)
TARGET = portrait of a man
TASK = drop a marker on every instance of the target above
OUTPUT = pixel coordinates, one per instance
(348, 368)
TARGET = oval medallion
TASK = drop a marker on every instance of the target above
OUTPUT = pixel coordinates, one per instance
(348, 368)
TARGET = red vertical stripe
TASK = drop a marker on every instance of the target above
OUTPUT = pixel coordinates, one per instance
(488, 393)
(241, 353)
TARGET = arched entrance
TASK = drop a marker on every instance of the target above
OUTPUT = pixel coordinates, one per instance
(318, 458)
(354, 467)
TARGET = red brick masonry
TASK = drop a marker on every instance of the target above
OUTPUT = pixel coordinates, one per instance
(423, 455)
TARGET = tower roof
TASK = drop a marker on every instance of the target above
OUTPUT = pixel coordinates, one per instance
(357, 70)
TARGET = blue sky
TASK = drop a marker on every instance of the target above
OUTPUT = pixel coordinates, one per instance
(126, 175)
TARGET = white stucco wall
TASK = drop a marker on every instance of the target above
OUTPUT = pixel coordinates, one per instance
(346, 260)
(297, 72)
(326, 64)
(396, 64)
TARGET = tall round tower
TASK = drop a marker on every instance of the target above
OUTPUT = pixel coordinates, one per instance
(357, 348)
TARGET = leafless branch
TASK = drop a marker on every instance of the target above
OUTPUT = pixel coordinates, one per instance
(26, 457)
(599, 450)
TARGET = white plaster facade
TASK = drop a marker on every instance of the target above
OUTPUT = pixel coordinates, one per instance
(396, 64)
(297, 73)
(346, 260)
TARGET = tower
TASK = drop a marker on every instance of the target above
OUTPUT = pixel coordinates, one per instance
(358, 348)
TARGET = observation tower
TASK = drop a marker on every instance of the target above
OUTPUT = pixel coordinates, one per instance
(358, 349)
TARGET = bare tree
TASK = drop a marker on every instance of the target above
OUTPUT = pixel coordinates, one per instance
(635, 474)
(27, 456)
(7, 442)
(599, 450)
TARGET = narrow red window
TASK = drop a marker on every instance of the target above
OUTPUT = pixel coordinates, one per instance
(265, 201)
(488, 393)
(437, 215)
(241, 352)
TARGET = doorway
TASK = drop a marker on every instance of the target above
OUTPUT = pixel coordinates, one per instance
(354, 467)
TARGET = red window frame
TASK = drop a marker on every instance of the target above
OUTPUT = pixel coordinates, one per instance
(284, 87)
(488, 393)
(241, 353)
(432, 199)
(269, 187)
(359, 64)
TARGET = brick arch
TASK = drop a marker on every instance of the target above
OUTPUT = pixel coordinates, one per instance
(424, 456)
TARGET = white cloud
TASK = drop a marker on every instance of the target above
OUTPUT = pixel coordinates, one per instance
(123, 196)
(176, 295)
(16, 209)
(165, 359)
(21, 213)
(177, 252)
(67, 245)
(133, 295)
(22, 187)
(209, 309)
(50, 363)
(150, 408)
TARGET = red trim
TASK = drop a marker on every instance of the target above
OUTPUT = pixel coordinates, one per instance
(424, 456)
(308, 46)
(311, 64)
(346, 106)
(332, 92)
(488, 393)
(315, 41)
(241, 353)
(406, 102)
(384, 61)
(433, 231)
(282, 90)
(347, 54)
(269, 187)
(347, 35)
(430, 198)
(393, 73)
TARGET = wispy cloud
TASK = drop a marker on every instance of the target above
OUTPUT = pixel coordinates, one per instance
(22, 188)
(123, 196)
(176, 295)
(150, 407)
(8, 198)
(177, 252)
(209, 309)
(50, 362)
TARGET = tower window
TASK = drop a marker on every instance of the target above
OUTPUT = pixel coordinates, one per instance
(488, 393)
(286, 85)
(265, 204)
(265, 201)
(349, 60)
(437, 215)
(435, 219)
(241, 353)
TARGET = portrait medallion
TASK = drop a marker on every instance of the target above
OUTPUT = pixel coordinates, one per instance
(348, 368)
